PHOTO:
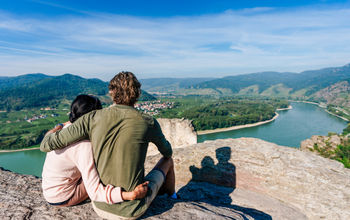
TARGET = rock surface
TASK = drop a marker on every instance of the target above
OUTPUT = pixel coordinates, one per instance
(179, 132)
(305, 182)
(262, 181)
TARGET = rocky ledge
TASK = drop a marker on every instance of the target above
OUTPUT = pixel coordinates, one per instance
(243, 178)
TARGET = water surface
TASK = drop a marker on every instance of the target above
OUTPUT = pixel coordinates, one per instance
(290, 128)
(25, 162)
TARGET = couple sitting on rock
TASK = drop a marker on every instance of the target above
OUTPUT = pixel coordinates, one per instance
(114, 141)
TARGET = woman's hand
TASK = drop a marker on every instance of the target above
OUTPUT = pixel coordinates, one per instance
(58, 127)
(138, 193)
(67, 123)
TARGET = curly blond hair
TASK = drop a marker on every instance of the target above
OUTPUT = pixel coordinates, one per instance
(124, 88)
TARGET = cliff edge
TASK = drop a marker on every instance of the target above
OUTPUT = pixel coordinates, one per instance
(243, 178)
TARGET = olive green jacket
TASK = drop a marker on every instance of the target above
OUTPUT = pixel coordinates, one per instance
(119, 135)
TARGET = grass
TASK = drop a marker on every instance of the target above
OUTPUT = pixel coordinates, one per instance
(17, 133)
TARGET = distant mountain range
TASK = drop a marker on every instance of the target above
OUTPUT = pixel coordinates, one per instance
(329, 85)
(323, 85)
(39, 90)
(170, 84)
(312, 81)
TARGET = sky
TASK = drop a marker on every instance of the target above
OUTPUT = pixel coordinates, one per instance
(174, 38)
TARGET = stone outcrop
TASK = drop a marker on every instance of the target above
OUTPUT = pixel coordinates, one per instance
(243, 178)
(322, 142)
(305, 182)
(179, 132)
(326, 146)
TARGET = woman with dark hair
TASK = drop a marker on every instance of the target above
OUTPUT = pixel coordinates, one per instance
(70, 176)
(83, 104)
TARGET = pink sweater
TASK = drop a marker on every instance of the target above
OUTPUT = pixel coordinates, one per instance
(63, 169)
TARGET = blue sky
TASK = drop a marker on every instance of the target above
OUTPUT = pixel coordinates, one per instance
(155, 38)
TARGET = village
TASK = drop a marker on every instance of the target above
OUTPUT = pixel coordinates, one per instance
(37, 117)
(153, 107)
(149, 107)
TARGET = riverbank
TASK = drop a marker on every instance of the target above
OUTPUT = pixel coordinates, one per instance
(324, 107)
(313, 103)
(284, 109)
(237, 126)
(244, 126)
(345, 119)
(24, 149)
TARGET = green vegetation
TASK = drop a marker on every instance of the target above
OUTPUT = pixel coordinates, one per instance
(338, 111)
(341, 153)
(346, 130)
(17, 133)
(49, 91)
(329, 85)
(221, 113)
(170, 84)
(343, 112)
(311, 81)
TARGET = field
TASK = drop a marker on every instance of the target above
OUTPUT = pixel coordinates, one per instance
(17, 132)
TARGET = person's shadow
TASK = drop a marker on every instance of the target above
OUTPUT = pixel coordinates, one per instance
(211, 185)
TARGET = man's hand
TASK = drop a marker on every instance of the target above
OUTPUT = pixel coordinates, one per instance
(138, 193)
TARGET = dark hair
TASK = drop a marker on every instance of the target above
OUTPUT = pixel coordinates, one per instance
(83, 104)
(124, 88)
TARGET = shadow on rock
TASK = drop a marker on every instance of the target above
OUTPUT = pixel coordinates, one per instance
(207, 194)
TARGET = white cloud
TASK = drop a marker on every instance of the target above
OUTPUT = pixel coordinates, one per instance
(233, 42)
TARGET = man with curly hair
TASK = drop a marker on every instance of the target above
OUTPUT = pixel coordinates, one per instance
(120, 135)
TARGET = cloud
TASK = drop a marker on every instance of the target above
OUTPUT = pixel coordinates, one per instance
(232, 42)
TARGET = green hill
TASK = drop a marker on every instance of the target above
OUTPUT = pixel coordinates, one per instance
(328, 85)
(24, 80)
(39, 90)
(312, 81)
(170, 84)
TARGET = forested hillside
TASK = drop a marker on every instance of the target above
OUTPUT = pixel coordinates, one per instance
(211, 114)
(24, 80)
(170, 84)
(39, 90)
(311, 81)
(328, 85)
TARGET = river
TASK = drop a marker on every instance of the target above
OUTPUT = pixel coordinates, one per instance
(289, 129)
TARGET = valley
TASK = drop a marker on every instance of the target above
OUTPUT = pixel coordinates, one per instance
(32, 104)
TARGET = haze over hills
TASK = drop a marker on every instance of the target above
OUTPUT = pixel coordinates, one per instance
(311, 80)
(39, 90)
(170, 84)
(313, 85)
